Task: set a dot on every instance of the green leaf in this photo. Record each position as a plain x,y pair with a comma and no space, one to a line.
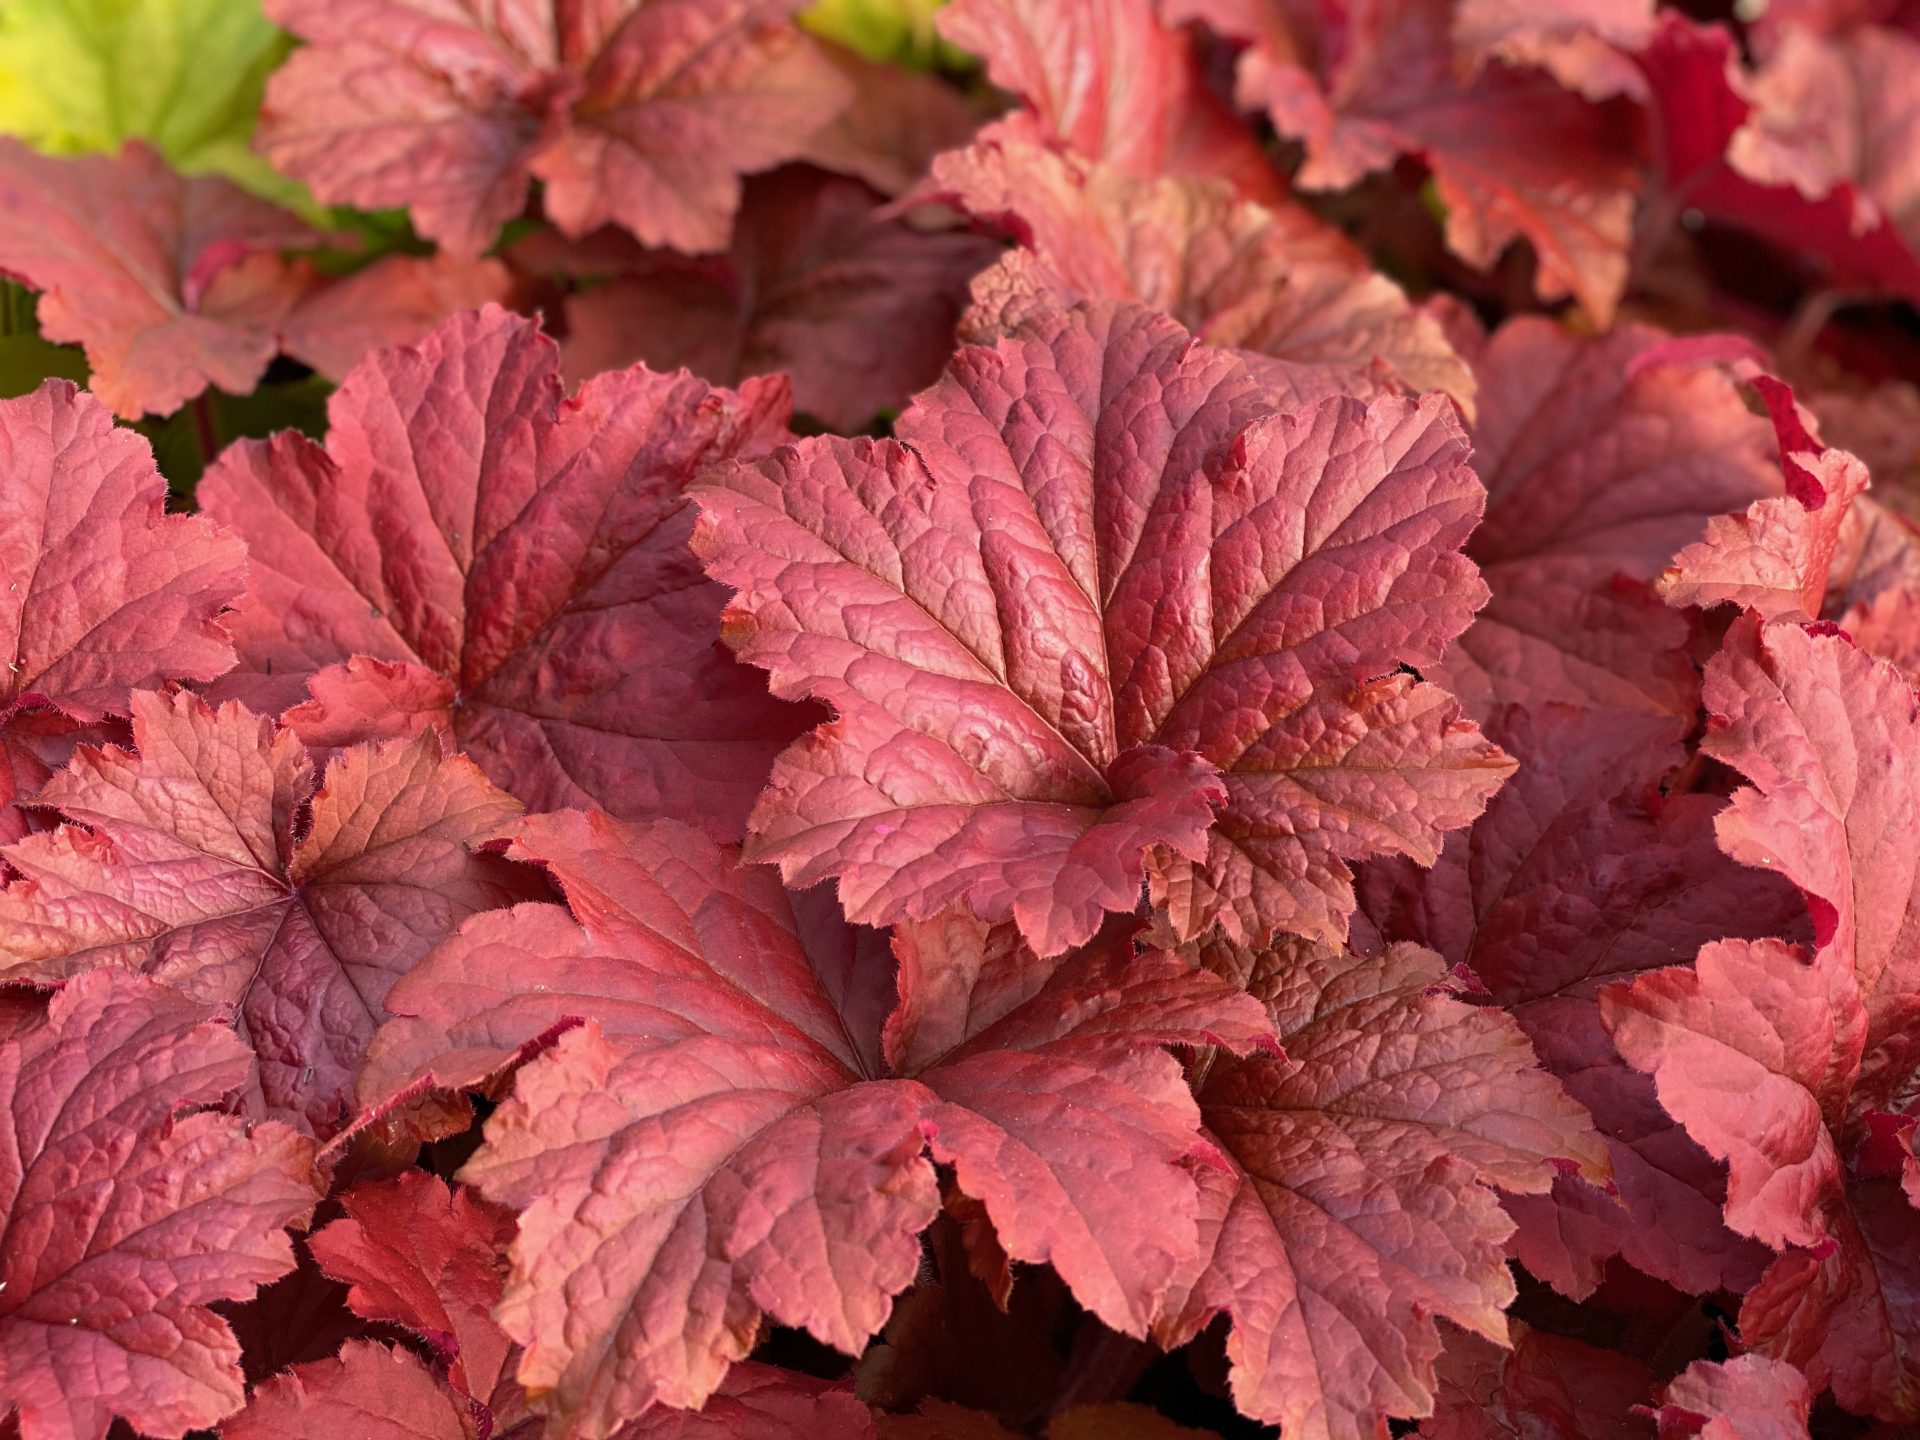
890,31
186,75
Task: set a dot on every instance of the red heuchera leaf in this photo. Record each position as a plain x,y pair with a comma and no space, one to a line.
428,1258
189,870
1820,1043
1513,154
129,1208
368,1391
1776,558
1596,469
1089,593
513,566
174,284
1275,282
857,310
1108,80
1850,1317
1545,1385
640,113
1359,1204
103,591
724,1138
1586,44
1581,873
1747,1398
1835,115
1692,73
759,1402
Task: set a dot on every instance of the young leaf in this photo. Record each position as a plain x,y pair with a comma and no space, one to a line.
643,114
723,1140
474,551
190,869
428,1258
103,592
1092,591
131,1205
1359,1204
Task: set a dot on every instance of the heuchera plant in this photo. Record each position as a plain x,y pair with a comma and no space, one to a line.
1071,719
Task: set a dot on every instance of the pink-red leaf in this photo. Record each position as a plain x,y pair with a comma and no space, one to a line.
640,113
722,1140
1747,1398
516,562
420,1255
1090,592
175,284
129,1207
367,1392
103,591
1273,281
190,869
1110,80
1359,1204
1513,154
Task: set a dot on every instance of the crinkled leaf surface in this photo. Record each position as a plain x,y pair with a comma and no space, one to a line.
185,865
129,1207
432,1259
1598,470
103,591
640,113
858,311
1273,281
187,75
512,566
723,1139
1582,873
1110,80
1513,154
174,284
1091,591
1358,1207
1815,1043
367,1391
1746,1398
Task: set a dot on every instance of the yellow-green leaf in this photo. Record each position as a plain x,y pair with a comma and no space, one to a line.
895,31
187,75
